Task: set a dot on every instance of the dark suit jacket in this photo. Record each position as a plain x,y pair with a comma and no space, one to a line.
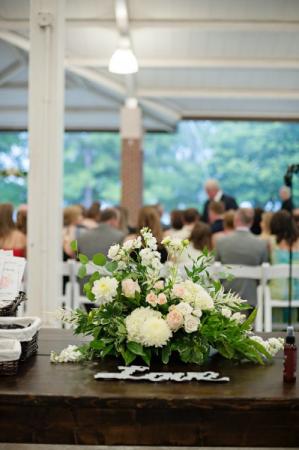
287,205
229,203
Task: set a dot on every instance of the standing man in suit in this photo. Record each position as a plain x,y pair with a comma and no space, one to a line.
215,193
243,248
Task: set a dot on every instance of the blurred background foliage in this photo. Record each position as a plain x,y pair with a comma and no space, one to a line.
248,158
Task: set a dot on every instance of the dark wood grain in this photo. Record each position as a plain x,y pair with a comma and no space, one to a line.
63,404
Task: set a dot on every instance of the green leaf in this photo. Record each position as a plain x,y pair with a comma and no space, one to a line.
246,325
147,356
135,348
82,271
74,246
127,356
83,258
111,266
99,259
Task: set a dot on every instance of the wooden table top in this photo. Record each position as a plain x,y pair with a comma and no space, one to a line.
255,392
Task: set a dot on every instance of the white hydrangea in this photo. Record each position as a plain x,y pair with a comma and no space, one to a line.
155,332
113,252
68,354
136,319
195,294
105,289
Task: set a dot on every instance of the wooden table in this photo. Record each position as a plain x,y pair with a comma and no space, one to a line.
63,404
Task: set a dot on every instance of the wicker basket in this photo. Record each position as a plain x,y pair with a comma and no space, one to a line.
12,307
10,351
23,329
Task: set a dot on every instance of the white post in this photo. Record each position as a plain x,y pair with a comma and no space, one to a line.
46,110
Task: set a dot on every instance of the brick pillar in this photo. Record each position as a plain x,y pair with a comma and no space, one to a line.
131,162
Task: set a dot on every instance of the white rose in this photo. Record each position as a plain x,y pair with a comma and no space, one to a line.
197,312
104,289
113,251
191,323
129,245
130,287
184,308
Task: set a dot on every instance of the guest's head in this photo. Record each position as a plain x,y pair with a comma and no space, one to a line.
244,217
212,187
215,211
190,216
111,217
201,236
149,217
94,211
72,215
6,219
266,222
284,193
256,224
21,222
228,220
283,227
176,219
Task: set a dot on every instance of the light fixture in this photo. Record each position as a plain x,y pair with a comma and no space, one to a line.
123,60
131,102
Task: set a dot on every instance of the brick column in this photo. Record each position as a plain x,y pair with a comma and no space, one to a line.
131,162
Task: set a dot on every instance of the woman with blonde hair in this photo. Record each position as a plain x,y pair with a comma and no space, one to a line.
72,217
148,217
10,237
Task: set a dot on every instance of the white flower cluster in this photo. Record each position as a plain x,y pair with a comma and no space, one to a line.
272,345
105,289
68,354
194,294
183,315
229,299
147,327
130,287
175,246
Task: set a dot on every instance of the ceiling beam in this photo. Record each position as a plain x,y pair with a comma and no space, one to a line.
286,94
107,85
200,24
200,63
10,71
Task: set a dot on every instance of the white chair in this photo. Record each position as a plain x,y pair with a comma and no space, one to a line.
249,272
278,272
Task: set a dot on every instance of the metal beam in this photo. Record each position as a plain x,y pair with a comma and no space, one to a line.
200,24
219,93
200,63
10,71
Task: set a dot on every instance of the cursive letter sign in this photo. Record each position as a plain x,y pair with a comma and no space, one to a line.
127,373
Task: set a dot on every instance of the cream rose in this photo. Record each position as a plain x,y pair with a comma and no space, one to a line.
175,319
130,287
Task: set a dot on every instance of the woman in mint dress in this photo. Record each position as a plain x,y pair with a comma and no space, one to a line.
285,230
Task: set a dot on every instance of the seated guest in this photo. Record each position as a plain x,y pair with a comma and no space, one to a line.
215,193
216,211
10,237
149,217
190,218
286,201
243,248
100,239
200,239
72,220
285,231
176,222
257,218
228,226
266,234
21,222
91,216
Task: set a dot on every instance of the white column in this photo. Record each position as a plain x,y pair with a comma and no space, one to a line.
46,110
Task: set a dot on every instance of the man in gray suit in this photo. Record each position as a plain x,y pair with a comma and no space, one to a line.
100,239
243,248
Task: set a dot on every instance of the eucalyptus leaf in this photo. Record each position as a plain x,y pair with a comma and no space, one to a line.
99,259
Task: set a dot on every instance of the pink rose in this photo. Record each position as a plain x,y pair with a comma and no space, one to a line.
130,287
178,290
175,319
162,299
159,285
151,298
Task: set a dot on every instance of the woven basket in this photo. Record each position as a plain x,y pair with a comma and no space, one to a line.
11,309
23,329
10,351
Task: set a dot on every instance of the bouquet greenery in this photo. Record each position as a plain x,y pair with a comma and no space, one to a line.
141,313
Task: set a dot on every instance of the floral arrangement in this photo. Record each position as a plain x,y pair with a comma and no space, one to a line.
141,313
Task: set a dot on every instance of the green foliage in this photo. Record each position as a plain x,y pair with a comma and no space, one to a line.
99,259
